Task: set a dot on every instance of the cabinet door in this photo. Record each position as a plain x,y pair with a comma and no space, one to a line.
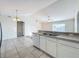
43,43
64,51
51,48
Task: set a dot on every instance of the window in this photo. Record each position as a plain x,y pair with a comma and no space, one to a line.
58,27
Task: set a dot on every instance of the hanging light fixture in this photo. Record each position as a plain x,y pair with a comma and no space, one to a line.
49,19
16,18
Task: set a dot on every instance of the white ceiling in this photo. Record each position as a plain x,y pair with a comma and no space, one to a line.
26,7
61,10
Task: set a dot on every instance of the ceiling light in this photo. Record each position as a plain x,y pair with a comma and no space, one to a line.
16,18
49,20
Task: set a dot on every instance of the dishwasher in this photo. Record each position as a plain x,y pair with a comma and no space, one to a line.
36,40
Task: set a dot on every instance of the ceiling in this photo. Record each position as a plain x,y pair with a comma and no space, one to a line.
24,7
61,10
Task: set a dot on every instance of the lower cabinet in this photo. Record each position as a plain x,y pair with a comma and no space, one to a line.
51,48
58,48
43,43
64,51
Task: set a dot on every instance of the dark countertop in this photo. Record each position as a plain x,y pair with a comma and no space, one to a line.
75,33
72,37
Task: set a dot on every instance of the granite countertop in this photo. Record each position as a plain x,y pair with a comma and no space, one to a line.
61,36
69,36
75,33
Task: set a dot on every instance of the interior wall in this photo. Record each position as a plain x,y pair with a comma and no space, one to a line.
9,26
46,26
61,10
69,24
31,25
9,29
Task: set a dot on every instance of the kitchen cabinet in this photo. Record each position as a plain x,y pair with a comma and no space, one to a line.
57,46
48,45
64,51
51,47
60,44
68,43
43,43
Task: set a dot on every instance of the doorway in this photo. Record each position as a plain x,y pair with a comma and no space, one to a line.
20,28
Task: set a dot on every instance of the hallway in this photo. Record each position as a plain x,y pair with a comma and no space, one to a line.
21,47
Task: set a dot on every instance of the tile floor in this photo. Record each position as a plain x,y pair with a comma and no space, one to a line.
21,47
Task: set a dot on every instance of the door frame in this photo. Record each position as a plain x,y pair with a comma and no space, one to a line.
23,27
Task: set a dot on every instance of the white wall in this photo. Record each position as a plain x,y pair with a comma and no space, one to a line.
8,27
31,25
69,24
46,26
60,10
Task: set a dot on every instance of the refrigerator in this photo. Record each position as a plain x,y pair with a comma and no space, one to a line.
0,35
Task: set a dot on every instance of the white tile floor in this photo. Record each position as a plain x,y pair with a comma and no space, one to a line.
21,47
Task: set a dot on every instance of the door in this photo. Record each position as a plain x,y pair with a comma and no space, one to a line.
20,28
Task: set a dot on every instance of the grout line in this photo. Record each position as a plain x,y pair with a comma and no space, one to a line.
16,50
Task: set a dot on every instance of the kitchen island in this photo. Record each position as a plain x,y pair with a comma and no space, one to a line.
58,44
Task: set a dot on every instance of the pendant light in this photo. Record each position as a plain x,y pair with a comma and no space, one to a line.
16,18
49,19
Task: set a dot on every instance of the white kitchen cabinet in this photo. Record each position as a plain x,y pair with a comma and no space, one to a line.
43,43
51,47
64,51
59,48
69,43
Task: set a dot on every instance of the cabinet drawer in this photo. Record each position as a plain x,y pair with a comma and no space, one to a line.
67,52
68,43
